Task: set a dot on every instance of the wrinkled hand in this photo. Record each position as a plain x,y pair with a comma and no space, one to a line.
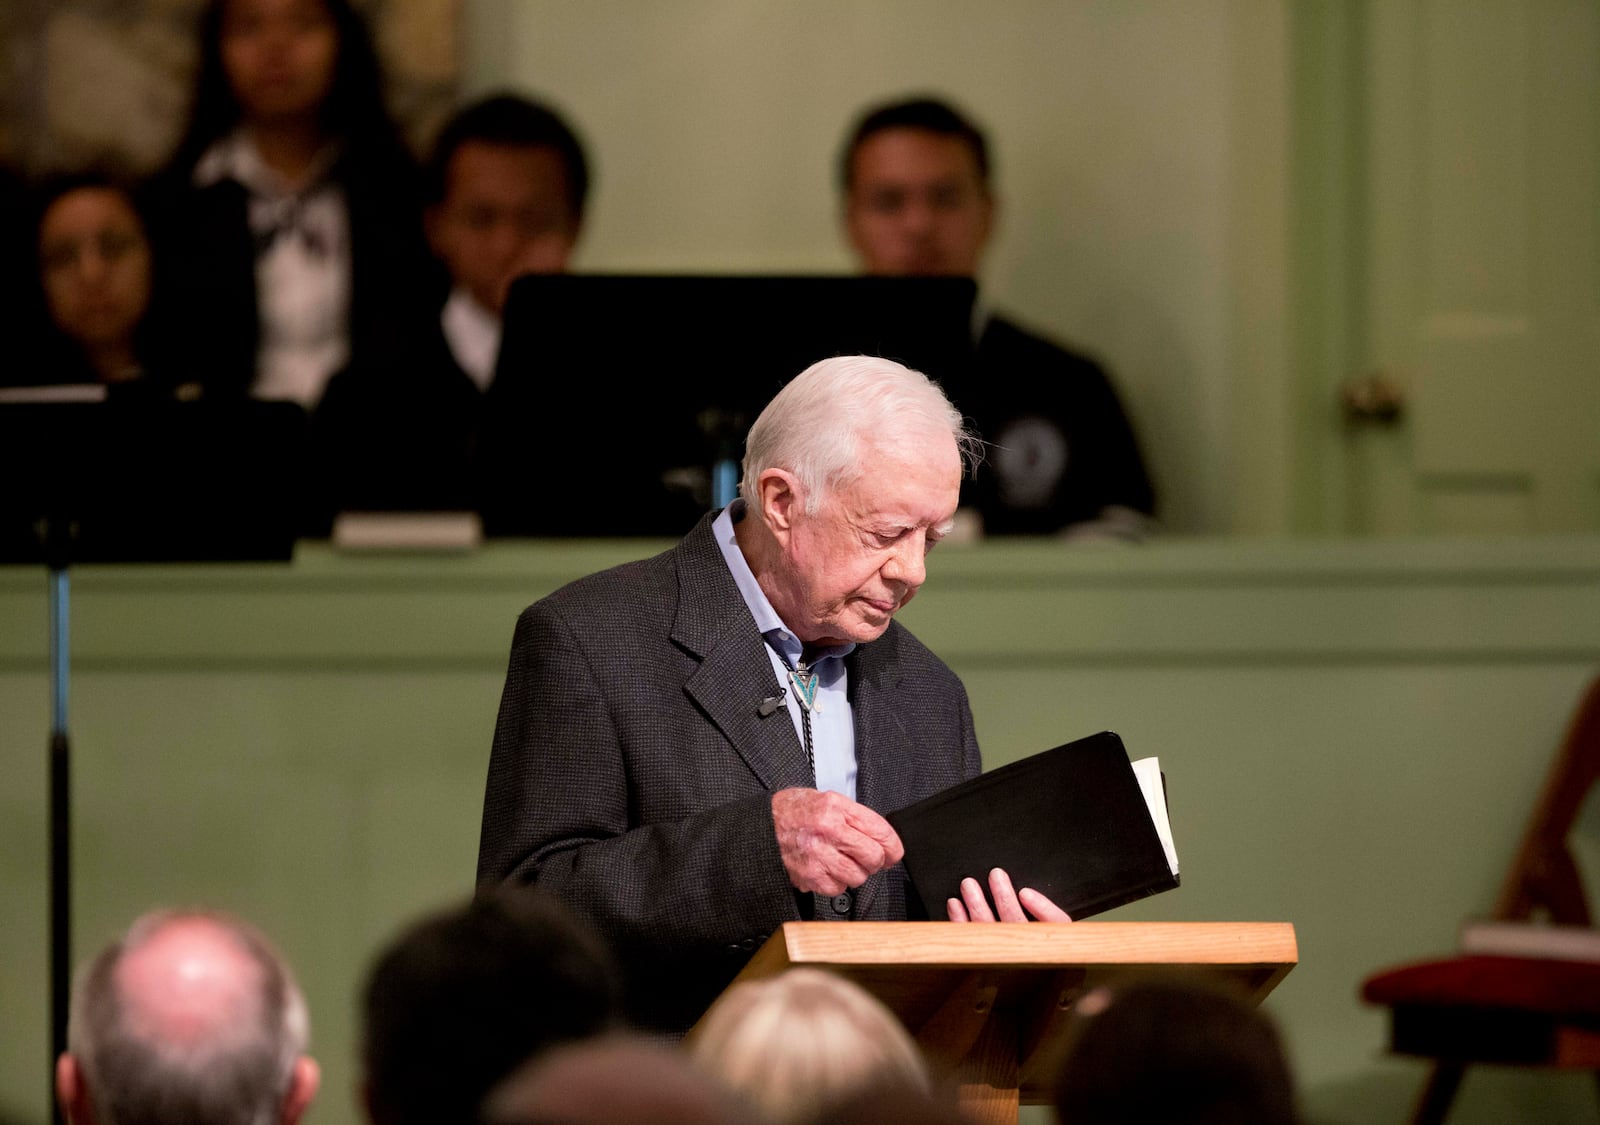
1013,906
829,843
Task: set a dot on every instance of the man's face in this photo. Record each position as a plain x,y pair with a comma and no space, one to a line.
917,206
504,214
845,571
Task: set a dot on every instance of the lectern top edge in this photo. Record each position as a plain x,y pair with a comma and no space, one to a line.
1037,944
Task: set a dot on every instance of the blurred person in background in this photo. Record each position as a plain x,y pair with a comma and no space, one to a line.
287,224
94,267
506,191
506,187
1060,454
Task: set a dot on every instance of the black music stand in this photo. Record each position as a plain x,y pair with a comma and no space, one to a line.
89,479
620,402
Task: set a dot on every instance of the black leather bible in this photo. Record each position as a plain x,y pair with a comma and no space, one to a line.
1072,823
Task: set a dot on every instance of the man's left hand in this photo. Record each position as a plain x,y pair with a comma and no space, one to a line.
1012,906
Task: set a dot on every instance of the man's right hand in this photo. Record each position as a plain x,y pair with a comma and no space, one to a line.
829,843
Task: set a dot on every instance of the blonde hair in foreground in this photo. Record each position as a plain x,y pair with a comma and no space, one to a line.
800,1042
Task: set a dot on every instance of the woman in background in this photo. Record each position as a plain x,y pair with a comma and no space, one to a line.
94,276
287,224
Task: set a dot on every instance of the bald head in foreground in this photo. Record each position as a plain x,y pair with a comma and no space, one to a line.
696,748
190,1016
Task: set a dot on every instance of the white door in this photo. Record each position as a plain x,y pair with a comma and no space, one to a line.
1470,269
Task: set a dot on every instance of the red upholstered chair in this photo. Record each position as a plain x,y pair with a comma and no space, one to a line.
1518,1010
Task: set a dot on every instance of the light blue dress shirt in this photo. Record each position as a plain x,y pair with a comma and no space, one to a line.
833,727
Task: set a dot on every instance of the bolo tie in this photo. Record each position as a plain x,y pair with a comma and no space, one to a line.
803,678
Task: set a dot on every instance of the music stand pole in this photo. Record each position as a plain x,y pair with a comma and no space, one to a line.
60,811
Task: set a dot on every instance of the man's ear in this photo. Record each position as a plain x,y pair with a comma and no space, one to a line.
304,1081
71,1092
778,499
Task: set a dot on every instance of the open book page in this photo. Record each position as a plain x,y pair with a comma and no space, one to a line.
1148,771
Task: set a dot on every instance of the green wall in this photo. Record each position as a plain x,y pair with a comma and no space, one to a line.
1352,735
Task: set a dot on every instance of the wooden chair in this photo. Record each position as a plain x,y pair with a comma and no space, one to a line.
1515,1010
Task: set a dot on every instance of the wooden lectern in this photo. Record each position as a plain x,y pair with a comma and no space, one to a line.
991,1002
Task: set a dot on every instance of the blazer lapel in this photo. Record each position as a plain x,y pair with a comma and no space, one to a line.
735,674
729,686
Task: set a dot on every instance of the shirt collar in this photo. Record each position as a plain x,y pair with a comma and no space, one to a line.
235,157
982,314
473,333
772,628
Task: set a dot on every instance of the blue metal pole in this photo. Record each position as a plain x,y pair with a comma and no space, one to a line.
724,483
60,829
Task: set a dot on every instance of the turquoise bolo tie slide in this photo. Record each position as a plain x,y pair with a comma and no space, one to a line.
805,687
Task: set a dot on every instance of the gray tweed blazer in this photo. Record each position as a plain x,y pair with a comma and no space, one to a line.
632,774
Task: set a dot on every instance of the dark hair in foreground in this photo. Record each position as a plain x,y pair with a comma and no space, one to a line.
929,114
1186,1050
354,111
517,122
464,996
614,1080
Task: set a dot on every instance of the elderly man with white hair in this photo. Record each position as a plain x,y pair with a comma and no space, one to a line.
695,748
190,1016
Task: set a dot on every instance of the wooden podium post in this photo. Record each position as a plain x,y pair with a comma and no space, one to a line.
991,1002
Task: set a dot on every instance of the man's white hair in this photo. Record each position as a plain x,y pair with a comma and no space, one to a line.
817,426
239,1075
